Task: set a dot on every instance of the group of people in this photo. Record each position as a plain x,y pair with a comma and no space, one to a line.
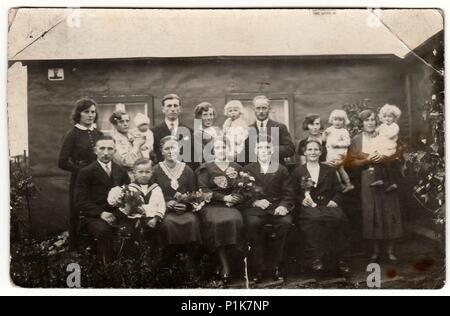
162,163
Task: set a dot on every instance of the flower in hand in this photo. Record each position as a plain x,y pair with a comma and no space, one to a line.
307,184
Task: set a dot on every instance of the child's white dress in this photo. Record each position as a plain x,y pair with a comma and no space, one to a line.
149,141
338,140
236,133
386,142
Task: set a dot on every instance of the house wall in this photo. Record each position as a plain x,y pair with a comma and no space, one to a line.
314,84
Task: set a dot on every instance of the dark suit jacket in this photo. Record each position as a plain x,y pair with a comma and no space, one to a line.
277,186
328,189
286,145
92,188
162,130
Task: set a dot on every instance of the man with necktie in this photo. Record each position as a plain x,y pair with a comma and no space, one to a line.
171,107
264,126
91,193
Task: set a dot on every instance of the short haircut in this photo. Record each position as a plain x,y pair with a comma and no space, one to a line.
261,97
116,117
364,115
166,139
82,105
310,119
234,104
171,96
105,137
142,161
203,107
339,114
390,109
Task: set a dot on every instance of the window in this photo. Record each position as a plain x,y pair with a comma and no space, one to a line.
132,105
282,107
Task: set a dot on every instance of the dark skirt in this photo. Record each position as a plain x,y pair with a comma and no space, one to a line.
325,230
382,218
222,226
176,230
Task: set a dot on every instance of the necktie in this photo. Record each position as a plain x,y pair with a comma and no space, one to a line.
172,129
262,128
108,170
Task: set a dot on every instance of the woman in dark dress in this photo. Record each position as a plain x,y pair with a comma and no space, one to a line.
313,125
180,227
222,222
77,152
382,218
320,216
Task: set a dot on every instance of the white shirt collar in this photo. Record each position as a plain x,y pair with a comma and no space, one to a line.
263,122
84,128
104,165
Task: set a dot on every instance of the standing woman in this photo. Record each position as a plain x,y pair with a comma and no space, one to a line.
222,222
382,220
180,226
77,152
313,125
207,132
127,152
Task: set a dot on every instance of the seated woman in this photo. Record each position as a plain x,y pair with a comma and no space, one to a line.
180,228
320,218
222,222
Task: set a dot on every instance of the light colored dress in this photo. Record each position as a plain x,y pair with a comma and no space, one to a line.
125,155
149,141
386,141
338,140
236,133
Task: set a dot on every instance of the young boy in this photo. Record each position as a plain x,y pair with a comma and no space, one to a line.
154,203
142,130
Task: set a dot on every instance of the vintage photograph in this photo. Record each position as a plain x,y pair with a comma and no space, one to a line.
227,148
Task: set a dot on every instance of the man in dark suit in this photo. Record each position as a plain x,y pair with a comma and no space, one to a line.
281,138
171,107
91,192
272,207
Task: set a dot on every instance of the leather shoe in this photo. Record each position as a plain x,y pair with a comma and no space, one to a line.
277,275
343,267
317,265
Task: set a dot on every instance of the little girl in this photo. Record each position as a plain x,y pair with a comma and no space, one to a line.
385,144
142,130
338,140
235,128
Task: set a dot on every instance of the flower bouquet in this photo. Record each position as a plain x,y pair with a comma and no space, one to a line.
128,200
244,187
198,200
307,184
